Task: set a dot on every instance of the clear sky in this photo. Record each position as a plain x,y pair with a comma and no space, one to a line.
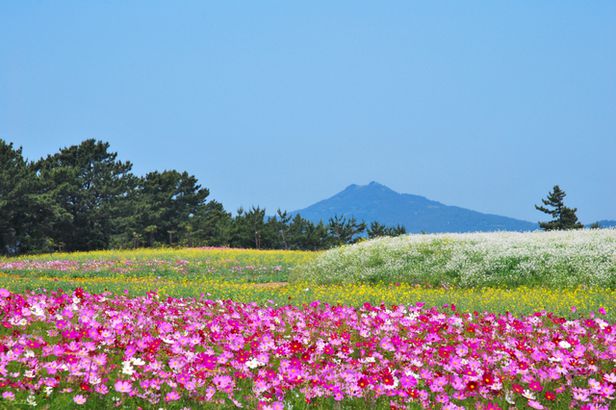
484,105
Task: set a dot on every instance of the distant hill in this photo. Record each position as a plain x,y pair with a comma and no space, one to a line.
606,224
376,202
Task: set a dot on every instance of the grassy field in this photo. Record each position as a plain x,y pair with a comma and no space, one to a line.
192,264
295,277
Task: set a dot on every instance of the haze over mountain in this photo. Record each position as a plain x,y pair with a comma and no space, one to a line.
376,202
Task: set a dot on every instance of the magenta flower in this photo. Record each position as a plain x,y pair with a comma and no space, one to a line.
535,386
172,396
408,382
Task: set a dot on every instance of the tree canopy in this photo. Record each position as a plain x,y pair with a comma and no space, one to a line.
84,198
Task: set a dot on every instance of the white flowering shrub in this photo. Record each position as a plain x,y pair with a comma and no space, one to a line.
502,259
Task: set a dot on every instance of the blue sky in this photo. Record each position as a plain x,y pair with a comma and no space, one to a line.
484,105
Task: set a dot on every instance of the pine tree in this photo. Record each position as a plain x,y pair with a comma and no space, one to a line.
165,204
91,188
345,231
563,218
26,213
377,229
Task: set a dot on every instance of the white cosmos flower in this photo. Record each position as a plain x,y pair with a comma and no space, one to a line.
31,400
509,398
127,368
254,363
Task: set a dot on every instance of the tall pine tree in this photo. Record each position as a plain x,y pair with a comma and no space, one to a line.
563,218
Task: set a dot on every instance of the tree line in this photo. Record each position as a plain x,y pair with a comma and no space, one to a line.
84,198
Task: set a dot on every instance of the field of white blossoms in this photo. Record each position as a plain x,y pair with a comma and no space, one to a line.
500,259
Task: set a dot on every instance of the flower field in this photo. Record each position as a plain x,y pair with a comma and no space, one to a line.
498,259
234,265
222,328
72,349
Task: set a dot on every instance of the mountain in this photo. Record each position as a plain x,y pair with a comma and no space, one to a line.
376,202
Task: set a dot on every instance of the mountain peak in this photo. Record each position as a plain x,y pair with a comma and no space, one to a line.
374,184
360,192
370,185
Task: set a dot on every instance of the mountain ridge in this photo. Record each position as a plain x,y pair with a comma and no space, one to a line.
377,202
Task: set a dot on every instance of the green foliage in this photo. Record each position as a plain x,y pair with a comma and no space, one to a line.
376,230
345,231
26,213
84,198
164,204
210,225
563,218
90,187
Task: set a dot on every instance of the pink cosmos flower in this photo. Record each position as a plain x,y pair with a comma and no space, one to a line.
581,394
8,395
79,399
223,383
408,382
122,386
610,377
172,396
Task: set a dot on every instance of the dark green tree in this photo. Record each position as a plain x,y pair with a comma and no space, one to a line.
317,237
91,187
251,230
377,229
563,218
396,230
345,230
209,226
26,214
282,221
164,204
297,232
